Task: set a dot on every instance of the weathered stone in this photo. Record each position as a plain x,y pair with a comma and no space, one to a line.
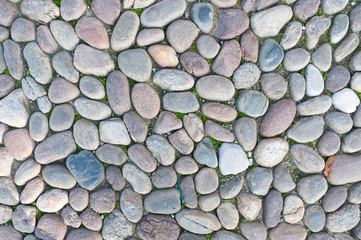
285,230
232,159
205,153
343,219
181,141
149,36
52,200
218,132
259,180
78,198
141,157
111,229
292,35
355,17
339,122
194,64
207,46
252,103
249,46
245,130
345,100
206,180
209,202
131,204
322,57
306,129
314,106
61,91
86,134
157,226
293,209
334,198
38,62
253,230
306,159
58,176
270,55
50,226
228,59
273,85
340,169
106,10
114,131
39,10
137,178
314,218
61,117
272,208
125,31
165,201
181,34
38,126
339,28
19,143
230,23
197,221
315,28
182,102
23,30
346,47
215,88
64,34
164,177
70,217
9,192
91,109
63,65
219,112
163,55
27,171
249,205
32,190
8,13
282,180
46,40
72,10
312,188
186,165
305,9
202,15
270,152
13,59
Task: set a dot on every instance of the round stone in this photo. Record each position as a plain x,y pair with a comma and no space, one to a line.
312,188
334,198
273,85
345,100
252,103
270,152
270,55
293,209
131,204
207,46
164,177
92,88
61,117
19,143
38,126
206,180
52,200
228,215
215,88
259,180
314,218
296,59
181,34
246,76
145,100
135,64
58,176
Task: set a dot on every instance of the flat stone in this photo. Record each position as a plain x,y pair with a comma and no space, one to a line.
160,14
92,88
249,205
3,129
282,180
57,175
268,23
4,33
24,218
106,10
157,226
8,13
314,218
356,82
340,169
165,201
182,102
188,191
293,209
194,64
111,229
103,200
115,178
356,117
270,55
252,103
314,106
145,100
72,10
99,35
87,170
52,200
253,230
305,9
161,149
186,165
346,47
14,109
228,215
64,34
334,198
228,58
141,156
61,117
118,91
232,159
219,112
181,34
355,18
215,88
322,57
86,134
218,132
197,221
125,31
249,46
93,61
206,180
135,64
205,153
114,131
7,84
246,76
306,159
50,226
209,202
316,27
292,35
149,36
32,190
137,127
61,91
333,6
350,142
272,208
312,188
354,194
9,192
70,217
19,143
138,179
43,13
339,122
194,126
343,219
163,55
31,88
270,152
164,177
78,198
181,141
202,15
345,100
23,30
355,62
245,130
6,161
285,230
259,180
63,65
230,23
91,109
339,28
329,143
273,85
131,204
27,171
83,233
46,40
207,46
13,59
296,59
306,129
6,213
173,80
337,78
167,122
91,220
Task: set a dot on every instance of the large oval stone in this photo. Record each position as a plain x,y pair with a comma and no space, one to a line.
270,55
173,80
91,109
342,169
306,129
215,88
135,64
197,221
165,201
118,91
270,152
306,159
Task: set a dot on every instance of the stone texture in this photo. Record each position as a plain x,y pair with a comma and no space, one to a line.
343,219
312,188
245,130
228,58
72,10
125,31
163,55
197,221
232,159
270,152
165,201
61,91
249,205
9,192
116,226
202,15
346,47
52,200
114,131
63,65
44,12
142,157
13,58
306,159
273,85
173,80
181,34
23,30
158,227
341,169
306,129
50,226
230,23
58,176
108,11
137,178
270,55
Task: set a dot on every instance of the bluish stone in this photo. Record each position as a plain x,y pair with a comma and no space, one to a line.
87,170
270,56
202,15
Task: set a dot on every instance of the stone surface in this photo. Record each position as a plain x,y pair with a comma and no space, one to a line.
202,15
232,159
249,205
314,218
246,76
340,169
339,28
270,55
58,176
194,64
197,221
228,215
44,12
61,91
114,131
306,129
230,23
337,78
228,59
108,11
116,226
181,34
292,35
283,230
63,65
273,85
346,47
72,10
23,30
312,188
125,31
205,153
245,130
131,204
52,200
272,208
259,180
165,201
13,58
147,37
270,152
306,159
142,157
343,219
345,100
207,46
9,192
163,55
137,178
19,143
182,102
64,34
50,226
282,179
252,103
156,226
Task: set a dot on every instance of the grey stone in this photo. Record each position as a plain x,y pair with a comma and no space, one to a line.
246,76
202,15
165,201
343,219
346,47
206,180
32,190
64,34
6,213
293,209
4,33
61,117
158,226
292,35
273,85
181,141
230,23
83,233
131,204
253,230
191,236
111,229
19,143
270,152
282,180
61,91
78,198
205,153
27,171
228,216
38,62
92,88
188,191
52,200
314,81
341,169
245,130
58,176
118,91
312,188
215,88
297,86
355,62
322,57
63,65
306,129
86,134
162,13
9,192
145,100
268,23
91,219
86,169
23,30
8,13
356,117
259,180
186,165
306,159
317,26
125,31
228,59
314,218
252,103
218,132
339,28
329,143
345,100
162,150
7,84
50,226
224,3
106,10
115,178
137,178
232,159
356,82
13,58
150,36
351,142
209,202
164,177
314,106
207,46
173,80
334,198
337,78
219,112
114,131
103,200
91,109
305,9
249,205
181,34
339,122
354,194
40,11
355,18
182,102
194,126
72,10
272,208
142,157
167,122
197,221
333,6
70,217
93,61
296,59
135,64
55,147
31,88
6,161
270,55
286,230
136,126
46,40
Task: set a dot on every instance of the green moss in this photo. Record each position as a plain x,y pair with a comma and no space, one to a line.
73,23
81,74
6,71
216,144
77,117
179,115
131,83
241,114
358,94
290,141
57,2
79,148
38,214
138,11
208,236
2,43
88,2
319,12
210,60
193,47
123,147
103,80
106,165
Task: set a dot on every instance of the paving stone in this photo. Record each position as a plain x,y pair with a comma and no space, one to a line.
181,141
282,180
92,88
63,65
141,156
296,59
145,100
62,117
6,161
14,109
329,143
181,34
164,177
91,109
219,112
206,180
228,59
64,34
23,30
259,180
345,100
27,171
194,126
273,85
70,217
4,33
292,35
50,226
270,152
32,190
253,230
86,134
165,201
6,213
285,230
163,55
91,219
246,76
150,36
90,176
228,216
335,169
103,200
19,143
293,209
314,218
83,234
249,205
337,78
10,194
270,55
339,28
315,28
115,178
230,23
272,208
98,37
322,57
52,200
249,46
135,64
306,159
7,84
356,82
245,130
252,103
31,88
205,153
131,204
354,193
305,9
209,202
215,88
338,121
186,165
331,6
182,102
355,19
269,22
46,40
61,91
232,159
13,58
194,64
346,47
343,219
125,31
108,11
202,15
188,191
218,132
197,221
173,80
114,131
43,13
312,188
78,198
137,178
350,142
334,198
157,226
8,13
58,176
207,46
111,229
356,117
314,106
72,10
355,62
306,129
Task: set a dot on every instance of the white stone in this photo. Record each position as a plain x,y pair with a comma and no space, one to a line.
114,131
345,100
314,81
232,159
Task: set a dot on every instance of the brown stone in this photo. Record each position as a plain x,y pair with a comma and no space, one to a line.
19,143
163,55
118,91
194,64
50,226
106,10
219,112
167,122
157,227
145,100
92,31
228,59
230,23
249,46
